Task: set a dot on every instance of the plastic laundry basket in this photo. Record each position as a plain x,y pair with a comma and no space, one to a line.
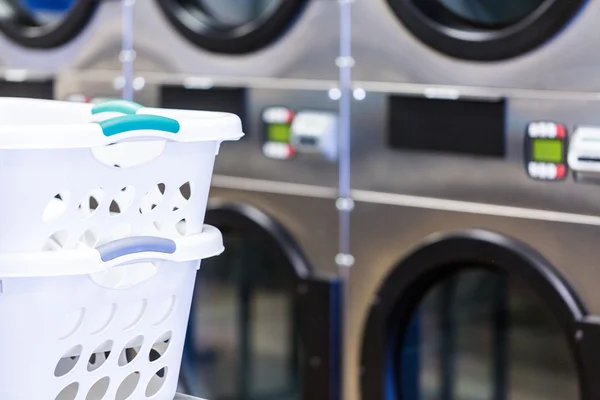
101,238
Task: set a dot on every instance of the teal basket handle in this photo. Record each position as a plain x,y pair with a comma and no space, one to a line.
120,106
129,123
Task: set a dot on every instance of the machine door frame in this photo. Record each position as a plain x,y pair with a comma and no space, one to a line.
442,255
18,25
440,29
247,38
316,299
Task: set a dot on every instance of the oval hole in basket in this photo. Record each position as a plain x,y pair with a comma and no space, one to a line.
89,238
131,351
56,207
90,203
185,191
153,198
99,356
57,241
68,361
134,313
72,322
164,311
182,227
98,389
122,201
160,347
68,393
103,316
128,386
157,382
129,154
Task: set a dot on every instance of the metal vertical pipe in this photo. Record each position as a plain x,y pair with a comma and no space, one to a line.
127,55
344,203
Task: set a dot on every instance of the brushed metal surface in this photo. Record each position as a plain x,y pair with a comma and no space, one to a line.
501,181
385,51
382,235
307,50
312,222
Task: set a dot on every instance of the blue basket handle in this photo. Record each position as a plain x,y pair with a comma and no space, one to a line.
135,245
119,106
129,123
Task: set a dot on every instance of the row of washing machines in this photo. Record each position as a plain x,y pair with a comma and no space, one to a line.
474,177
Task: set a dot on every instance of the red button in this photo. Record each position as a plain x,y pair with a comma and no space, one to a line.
560,131
291,151
560,171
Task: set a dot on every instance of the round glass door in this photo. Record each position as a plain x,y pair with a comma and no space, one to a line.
485,30
232,26
482,335
242,339
476,315
45,23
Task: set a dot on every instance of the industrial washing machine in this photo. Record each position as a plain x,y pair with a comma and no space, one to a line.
39,38
517,44
242,39
474,234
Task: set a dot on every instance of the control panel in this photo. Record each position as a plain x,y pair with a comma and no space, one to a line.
584,153
546,151
288,133
316,132
277,125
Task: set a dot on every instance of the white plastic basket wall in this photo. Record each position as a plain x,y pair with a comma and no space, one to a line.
97,261
69,183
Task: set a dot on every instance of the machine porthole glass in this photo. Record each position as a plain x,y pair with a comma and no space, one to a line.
232,26
485,30
242,341
45,24
490,14
482,334
231,14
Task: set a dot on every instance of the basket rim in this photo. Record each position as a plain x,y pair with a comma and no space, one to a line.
145,123
85,261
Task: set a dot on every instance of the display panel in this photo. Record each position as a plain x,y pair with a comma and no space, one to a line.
547,150
279,133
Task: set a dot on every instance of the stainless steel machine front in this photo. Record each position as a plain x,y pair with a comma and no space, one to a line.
523,44
232,38
474,237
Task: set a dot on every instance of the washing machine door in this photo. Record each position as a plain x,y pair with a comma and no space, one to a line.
232,26
45,24
476,315
261,327
485,30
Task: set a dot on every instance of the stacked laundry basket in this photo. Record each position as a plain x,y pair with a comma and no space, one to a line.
102,233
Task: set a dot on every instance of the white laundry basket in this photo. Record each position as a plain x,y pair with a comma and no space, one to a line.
102,235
